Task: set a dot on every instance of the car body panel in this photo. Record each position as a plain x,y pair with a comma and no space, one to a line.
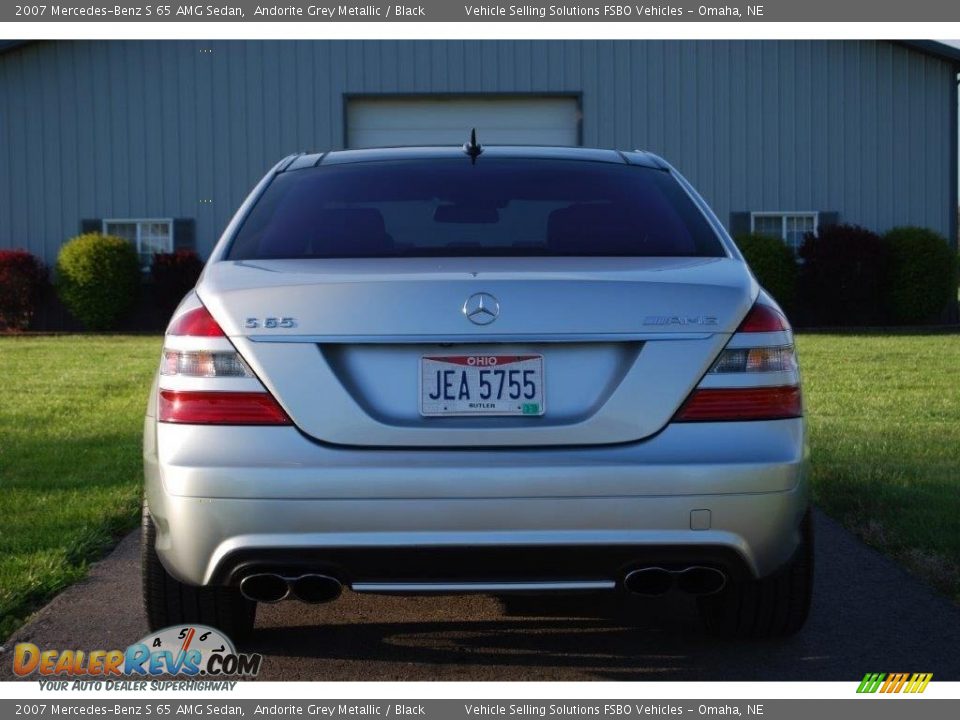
543,296
276,489
280,462
441,152
344,371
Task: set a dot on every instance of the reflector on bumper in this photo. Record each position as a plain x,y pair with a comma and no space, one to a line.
756,403
220,408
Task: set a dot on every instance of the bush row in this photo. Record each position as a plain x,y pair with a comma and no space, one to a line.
23,279
97,277
848,275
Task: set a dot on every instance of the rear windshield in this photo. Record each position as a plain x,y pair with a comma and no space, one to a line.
495,207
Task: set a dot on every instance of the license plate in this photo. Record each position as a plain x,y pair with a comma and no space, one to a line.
481,385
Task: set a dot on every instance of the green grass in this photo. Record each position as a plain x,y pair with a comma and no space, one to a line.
70,468
885,441
885,444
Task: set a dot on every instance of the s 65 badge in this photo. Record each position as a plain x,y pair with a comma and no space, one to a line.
270,323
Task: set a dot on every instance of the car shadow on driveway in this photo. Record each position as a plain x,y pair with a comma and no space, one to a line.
868,615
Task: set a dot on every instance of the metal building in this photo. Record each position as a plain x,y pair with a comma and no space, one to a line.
160,141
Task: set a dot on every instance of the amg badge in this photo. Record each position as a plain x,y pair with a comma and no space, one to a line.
679,320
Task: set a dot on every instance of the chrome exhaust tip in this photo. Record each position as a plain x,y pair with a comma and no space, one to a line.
264,587
693,580
316,588
699,580
649,581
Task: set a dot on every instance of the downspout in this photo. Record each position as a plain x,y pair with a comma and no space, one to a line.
954,162
954,311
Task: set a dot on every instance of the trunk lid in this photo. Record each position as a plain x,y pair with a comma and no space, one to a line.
623,340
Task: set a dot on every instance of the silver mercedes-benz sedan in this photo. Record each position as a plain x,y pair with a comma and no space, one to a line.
495,370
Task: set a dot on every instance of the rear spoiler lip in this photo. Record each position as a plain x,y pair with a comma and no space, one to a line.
470,338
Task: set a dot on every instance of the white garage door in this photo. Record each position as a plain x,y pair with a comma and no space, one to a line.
389,122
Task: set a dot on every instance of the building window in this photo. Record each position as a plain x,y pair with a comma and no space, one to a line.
148,236
788,226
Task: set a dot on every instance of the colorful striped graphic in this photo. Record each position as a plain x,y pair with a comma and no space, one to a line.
894,682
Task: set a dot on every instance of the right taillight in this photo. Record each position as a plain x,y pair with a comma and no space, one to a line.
756,360
205,381
763,318
756,377
763,403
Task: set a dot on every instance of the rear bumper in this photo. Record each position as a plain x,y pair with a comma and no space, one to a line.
229,500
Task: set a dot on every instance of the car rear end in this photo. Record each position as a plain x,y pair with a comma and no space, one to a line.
529,371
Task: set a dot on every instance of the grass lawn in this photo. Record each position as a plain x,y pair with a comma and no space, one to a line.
70,469
884,416
885,439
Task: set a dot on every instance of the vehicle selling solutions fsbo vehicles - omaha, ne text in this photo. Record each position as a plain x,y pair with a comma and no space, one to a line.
495,370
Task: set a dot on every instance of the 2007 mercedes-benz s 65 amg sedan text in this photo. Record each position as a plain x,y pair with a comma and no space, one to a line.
496,370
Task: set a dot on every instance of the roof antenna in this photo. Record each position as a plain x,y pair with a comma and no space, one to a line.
473,148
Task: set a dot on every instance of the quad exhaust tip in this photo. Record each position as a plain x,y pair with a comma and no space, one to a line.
649,581
272,588
699,580
693,580
316,588
264,587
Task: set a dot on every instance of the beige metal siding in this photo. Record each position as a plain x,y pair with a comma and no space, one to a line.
447,120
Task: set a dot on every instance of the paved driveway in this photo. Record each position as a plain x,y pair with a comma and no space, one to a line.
868,615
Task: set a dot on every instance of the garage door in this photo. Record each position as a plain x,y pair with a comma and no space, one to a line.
388,122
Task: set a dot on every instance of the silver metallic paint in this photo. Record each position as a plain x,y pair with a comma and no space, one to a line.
608,468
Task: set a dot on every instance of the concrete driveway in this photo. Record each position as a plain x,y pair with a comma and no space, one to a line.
868,615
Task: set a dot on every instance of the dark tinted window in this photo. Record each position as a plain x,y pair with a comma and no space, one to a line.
451,207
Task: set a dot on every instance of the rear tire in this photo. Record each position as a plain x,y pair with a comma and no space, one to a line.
774,606
168,601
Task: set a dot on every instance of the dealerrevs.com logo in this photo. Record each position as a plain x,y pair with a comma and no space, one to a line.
185,650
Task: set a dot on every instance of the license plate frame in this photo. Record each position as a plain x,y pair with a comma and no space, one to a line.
504,373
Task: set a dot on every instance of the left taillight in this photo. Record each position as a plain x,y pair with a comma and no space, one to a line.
205,381
194,407
756,377
197,322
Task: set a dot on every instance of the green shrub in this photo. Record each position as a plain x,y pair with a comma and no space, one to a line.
774,265
922,277
98,279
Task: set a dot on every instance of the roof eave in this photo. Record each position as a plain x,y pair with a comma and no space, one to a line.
7,45
935,48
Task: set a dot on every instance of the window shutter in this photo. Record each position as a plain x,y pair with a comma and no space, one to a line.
184,234
739,223
828,217
91,225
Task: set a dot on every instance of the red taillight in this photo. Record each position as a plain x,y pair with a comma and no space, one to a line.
220,408
753,403
763,318
197,323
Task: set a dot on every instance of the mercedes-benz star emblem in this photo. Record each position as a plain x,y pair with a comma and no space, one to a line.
481,308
